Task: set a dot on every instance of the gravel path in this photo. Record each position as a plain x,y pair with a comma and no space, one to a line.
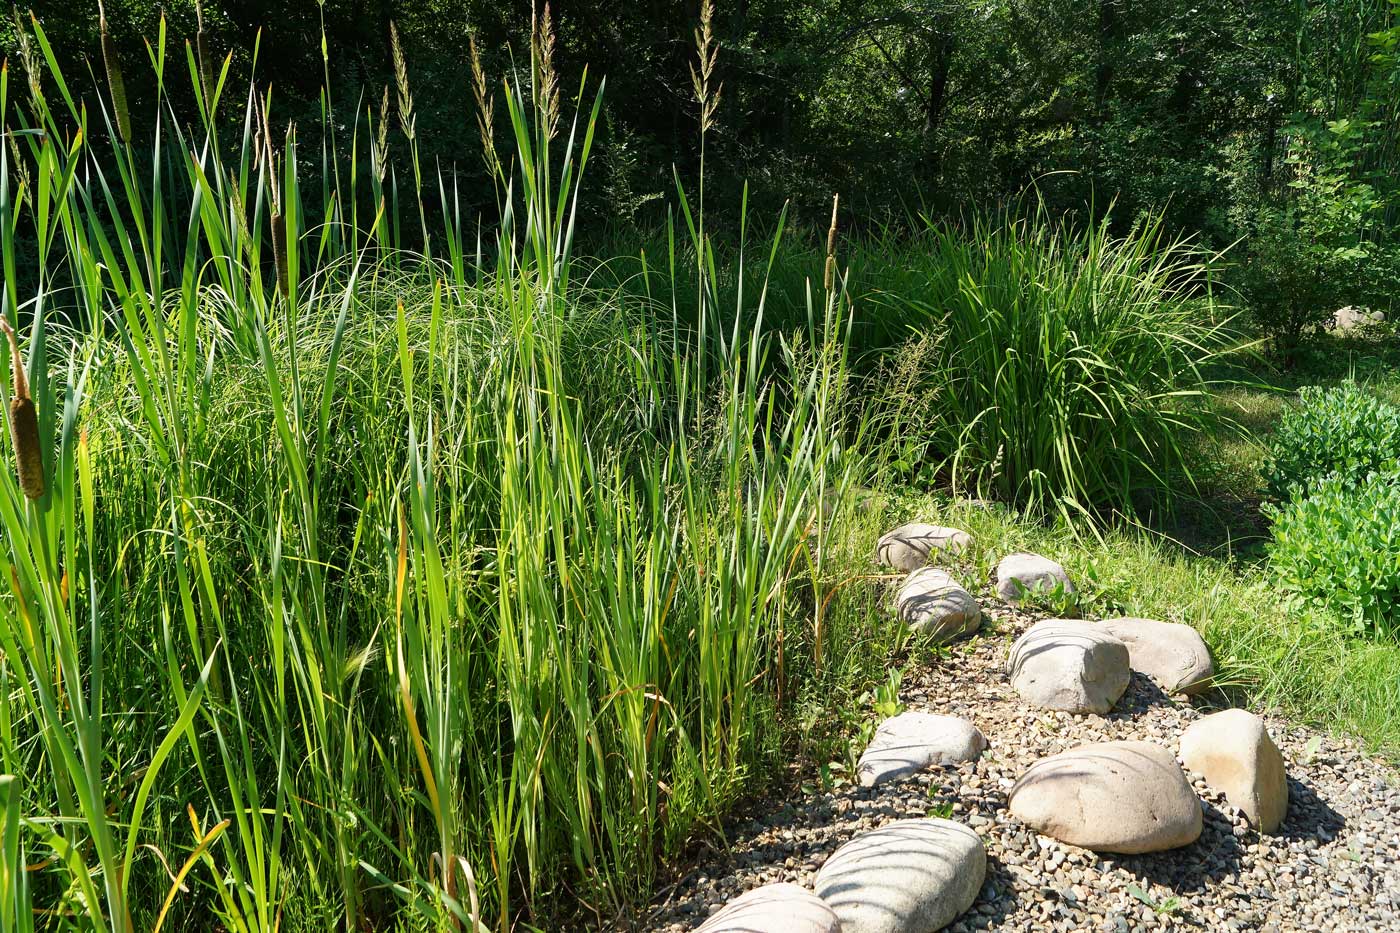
1335,864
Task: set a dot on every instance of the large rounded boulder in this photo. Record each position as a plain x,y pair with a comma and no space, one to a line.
1233,751
1025,576
913,741
774,908
1173,655
909,876
1122,797
911,546
931,601
1075,667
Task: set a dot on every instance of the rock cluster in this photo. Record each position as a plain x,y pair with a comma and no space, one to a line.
1118,793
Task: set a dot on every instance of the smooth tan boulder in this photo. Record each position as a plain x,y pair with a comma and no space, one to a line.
1024,575
910,742
930,600
1232,750
774,908
1173,655
1075,667
909,876
1121,797
911,546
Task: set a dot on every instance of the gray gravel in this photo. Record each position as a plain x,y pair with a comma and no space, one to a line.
1335,864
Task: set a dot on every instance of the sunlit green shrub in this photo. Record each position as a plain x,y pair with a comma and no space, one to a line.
1339,546
1342,431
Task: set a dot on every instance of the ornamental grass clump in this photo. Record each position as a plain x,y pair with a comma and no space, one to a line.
1072,366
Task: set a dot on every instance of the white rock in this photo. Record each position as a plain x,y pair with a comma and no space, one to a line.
930,600
910,546
1352,318
1124,797
1022,575
909,876
912,741
1066,665
1173,655
774,908
1232,750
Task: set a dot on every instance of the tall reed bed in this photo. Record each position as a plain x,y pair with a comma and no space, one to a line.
368,589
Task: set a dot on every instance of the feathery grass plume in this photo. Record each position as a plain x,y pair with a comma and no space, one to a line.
30,60
546,78
115,85
406,118
206,72
485,109
379,148
707,51
24,425
830,276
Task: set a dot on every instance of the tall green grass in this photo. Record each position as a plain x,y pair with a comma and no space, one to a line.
1072,363
374,588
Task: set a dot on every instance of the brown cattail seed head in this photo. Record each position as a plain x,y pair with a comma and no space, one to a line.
24,426
279,251
206,64
115,85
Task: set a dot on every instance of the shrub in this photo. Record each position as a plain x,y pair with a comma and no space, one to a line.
1342,431
1340,547
1070,368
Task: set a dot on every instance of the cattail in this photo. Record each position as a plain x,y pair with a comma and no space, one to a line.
485,109
279,250
279,220
206,71
831,245
115,85
24,425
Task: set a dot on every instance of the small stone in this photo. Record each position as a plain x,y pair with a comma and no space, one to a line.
907,876
1173,655
931,601
912,741
1072,666
1023,574
910,546
1232,750
774,908
1121,797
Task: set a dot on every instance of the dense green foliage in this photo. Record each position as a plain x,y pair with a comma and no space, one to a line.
1342,431
1340,546
1070,366
1270,127
395,569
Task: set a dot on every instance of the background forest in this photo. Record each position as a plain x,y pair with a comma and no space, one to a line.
1269,127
